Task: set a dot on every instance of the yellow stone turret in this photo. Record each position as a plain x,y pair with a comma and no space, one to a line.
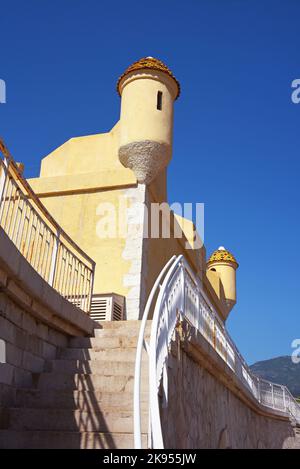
148,90
224,264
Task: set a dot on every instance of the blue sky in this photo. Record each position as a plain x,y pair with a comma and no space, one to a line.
236,141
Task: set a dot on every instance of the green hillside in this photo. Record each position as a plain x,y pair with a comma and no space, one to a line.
280,370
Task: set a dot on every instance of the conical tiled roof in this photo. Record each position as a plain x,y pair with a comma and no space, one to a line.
222,255
152,64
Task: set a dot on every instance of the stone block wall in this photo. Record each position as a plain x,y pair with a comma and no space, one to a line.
205,409
27,343
34,322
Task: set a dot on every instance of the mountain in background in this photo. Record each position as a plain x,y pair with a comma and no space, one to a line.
280,370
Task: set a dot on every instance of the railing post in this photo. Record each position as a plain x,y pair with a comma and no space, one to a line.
284,401
272,393
91,290
3,176
54,259
214,331
183,288
258,390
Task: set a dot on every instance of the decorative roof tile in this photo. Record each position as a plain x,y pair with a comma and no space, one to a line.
222,255
152,64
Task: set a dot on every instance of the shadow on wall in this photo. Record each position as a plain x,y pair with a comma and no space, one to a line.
48,402
78,395
95,382
53,396
91,418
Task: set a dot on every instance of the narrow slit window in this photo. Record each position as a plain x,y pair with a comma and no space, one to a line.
159,100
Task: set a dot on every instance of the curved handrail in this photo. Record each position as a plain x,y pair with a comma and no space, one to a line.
153,391
182,293
138,359
40,239
11,162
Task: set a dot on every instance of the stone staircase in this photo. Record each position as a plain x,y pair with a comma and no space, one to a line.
84,398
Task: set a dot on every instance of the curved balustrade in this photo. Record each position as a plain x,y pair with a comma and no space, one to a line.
40,239
180,293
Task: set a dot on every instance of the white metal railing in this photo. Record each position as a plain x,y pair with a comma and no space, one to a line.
181,295
138,361
40,239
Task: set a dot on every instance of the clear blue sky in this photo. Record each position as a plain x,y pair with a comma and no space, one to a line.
237,137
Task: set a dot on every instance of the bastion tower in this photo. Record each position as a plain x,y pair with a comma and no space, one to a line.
124,169
148,90
224,264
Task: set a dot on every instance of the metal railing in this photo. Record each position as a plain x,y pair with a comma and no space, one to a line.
40,239
181,295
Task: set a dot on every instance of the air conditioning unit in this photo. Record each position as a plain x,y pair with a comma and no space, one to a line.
107,307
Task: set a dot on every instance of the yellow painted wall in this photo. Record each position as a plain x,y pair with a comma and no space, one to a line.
227,274
140,119
85,172
81,155
77,177
77,214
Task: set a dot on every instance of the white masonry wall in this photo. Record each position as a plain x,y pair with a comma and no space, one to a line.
135,251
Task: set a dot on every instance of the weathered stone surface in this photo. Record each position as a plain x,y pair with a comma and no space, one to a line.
66,440
118,354
65,381
33,363
7,395
7,330
49,351
6,373
14,355
78,399
78,393
27,343
92,366
203,413
146,158
81,400
114,421
22,378
105,343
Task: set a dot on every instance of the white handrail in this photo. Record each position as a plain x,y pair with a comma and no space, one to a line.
156,436
138,359
182,293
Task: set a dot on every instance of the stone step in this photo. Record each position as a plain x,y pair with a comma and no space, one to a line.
85,354
135,324
124,331
106,342
88,382
66,440
82,400
86,367
117,421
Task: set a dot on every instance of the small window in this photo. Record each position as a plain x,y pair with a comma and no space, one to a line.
159,100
